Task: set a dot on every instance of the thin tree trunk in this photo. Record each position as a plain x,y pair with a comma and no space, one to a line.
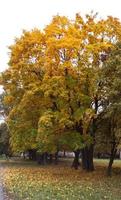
45,158
50,158
76,163
64,153
112,156
32,154
56,158
39,158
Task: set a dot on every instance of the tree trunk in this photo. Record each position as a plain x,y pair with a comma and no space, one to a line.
42,158
45,158
87,158
91,164
88,151
32,154
39,158
64,153
76,163
112,156
56,158
50,158
84,160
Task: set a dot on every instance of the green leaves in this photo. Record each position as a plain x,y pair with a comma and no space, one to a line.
71,140
71,82
78,114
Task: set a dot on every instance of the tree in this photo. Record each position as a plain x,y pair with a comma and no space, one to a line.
57,70
110,89
21,84
98,41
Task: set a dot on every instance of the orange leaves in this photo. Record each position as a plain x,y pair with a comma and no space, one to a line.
56,70
30,182
57,27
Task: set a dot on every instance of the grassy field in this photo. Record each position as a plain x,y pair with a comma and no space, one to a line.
28,181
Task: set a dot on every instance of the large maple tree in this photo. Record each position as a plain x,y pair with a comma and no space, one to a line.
51,84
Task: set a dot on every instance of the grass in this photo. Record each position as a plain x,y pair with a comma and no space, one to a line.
28,181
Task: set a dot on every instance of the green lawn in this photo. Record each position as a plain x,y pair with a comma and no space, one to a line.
28,181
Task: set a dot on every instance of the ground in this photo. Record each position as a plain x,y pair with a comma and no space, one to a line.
28,181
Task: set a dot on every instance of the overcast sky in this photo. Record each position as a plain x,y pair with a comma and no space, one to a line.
16,15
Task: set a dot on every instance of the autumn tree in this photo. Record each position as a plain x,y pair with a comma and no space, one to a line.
21,83
111,111
76,51
98,40
52,85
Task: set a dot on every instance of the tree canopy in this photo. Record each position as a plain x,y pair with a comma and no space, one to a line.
52,83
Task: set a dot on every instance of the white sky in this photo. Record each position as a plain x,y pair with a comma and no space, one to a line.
16,15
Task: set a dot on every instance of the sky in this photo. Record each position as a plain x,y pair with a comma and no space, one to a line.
16,15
